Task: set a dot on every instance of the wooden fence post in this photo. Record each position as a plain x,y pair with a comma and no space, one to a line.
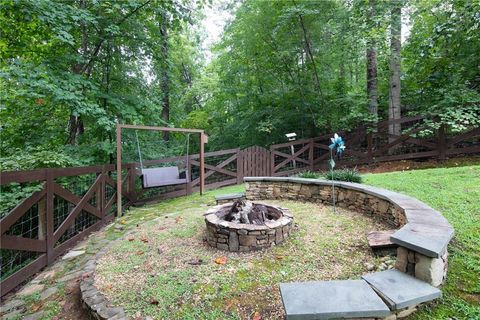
50,216
310,154
103,186
131,182
239,166
272,162
442,143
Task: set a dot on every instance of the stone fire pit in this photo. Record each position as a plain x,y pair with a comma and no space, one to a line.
244,226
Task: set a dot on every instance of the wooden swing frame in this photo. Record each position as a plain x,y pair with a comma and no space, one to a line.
203,140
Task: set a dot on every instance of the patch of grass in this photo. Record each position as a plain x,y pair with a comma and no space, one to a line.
31,298
154,276
51,308
455,192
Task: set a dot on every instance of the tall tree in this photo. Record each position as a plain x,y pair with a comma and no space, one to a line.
372,83
164,72
394,108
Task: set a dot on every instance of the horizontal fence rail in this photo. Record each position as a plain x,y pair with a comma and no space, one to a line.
47,211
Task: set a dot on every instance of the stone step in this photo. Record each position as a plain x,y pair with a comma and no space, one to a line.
331,300
429,240
380,239
399,290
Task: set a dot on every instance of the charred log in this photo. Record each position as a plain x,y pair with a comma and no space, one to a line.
251,213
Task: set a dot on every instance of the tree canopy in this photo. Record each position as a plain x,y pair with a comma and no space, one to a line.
71,69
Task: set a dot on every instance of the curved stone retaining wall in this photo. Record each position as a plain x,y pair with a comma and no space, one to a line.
92,299
423,234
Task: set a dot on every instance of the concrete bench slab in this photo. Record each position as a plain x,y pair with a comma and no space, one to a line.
400,290
331,299
430,241
230,196
428,217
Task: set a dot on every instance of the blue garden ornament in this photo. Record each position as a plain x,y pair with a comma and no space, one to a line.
337,143
339,146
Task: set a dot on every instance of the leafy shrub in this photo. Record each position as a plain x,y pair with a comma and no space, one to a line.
309,175
349,175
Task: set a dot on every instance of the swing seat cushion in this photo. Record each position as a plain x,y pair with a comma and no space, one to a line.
158,177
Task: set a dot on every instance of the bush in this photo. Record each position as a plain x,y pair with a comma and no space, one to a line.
349,175
309,175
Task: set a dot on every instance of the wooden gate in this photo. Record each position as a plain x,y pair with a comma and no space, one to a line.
255,162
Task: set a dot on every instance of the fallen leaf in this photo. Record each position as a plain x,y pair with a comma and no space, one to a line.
36,306
229,305
221,260
257,316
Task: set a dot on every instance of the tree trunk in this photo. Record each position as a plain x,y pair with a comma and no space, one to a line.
372,84
394,112
165,80
372,87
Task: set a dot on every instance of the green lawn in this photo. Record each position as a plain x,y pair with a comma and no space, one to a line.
456,193
166,285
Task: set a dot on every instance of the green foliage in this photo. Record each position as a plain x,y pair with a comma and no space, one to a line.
64,61
309,175
38,157
76,68
439,57
349,175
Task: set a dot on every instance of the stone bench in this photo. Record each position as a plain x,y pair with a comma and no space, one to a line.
224,198
423,233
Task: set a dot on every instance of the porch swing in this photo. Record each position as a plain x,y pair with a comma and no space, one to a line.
163,176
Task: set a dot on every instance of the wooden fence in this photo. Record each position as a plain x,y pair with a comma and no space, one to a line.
69,203
369,145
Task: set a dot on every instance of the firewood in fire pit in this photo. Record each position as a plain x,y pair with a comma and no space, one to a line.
258,214
252,213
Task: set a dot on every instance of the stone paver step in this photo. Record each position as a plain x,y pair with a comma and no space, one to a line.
399,290
331,300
